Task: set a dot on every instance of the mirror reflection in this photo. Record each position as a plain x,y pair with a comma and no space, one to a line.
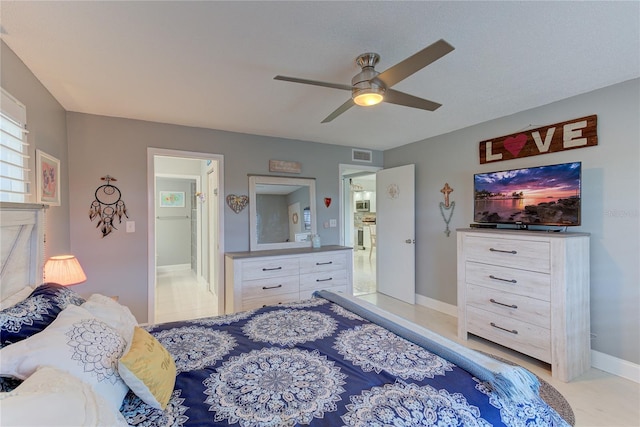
282,214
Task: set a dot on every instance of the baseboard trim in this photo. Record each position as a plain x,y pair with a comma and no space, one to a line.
599,360
615,366
442,307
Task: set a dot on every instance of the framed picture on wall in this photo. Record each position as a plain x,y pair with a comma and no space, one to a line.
172,199
47,179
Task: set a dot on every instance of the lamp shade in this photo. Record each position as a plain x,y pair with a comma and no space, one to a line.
64,269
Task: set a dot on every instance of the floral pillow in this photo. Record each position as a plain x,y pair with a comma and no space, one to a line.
36,312
77,343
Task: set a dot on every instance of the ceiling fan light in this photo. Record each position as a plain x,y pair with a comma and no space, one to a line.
368,99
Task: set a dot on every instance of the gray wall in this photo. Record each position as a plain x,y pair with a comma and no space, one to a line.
46,120
173,224
98,145
610,204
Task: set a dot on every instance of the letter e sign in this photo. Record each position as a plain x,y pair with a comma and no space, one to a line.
567,135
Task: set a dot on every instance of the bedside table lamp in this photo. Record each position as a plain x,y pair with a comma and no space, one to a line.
64,269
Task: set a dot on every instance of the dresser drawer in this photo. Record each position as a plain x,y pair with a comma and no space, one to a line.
323,262
253,303
262,288
519,307
533,284
269,267
525,254
323,279
520,336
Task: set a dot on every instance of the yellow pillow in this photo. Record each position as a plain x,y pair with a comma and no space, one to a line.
148,369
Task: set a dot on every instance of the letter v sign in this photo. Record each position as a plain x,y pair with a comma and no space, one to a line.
543,147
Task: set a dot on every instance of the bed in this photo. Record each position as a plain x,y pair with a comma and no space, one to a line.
332,360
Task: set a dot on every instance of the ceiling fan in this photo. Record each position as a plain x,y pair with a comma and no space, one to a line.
370,87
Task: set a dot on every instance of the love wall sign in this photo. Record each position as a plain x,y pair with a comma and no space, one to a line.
563,136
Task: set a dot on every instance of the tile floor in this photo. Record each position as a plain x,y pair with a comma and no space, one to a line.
180,296
364,272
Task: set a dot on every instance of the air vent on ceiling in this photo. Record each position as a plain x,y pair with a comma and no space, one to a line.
361,155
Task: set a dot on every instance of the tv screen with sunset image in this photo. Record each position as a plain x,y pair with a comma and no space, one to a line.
543,195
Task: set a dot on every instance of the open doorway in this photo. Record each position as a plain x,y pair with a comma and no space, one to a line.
185,240
358,218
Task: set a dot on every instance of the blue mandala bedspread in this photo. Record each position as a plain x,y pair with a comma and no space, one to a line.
316,363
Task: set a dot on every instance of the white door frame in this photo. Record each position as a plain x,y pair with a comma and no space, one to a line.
214,208
151,232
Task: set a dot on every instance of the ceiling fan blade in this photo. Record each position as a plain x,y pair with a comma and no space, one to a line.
313,82
400,98
341,109
404,69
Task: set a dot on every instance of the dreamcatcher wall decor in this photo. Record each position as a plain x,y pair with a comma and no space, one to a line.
447,207
107,205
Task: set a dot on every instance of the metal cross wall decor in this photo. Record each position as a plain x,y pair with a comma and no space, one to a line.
447,207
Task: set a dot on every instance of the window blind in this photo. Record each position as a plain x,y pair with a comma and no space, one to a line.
14,157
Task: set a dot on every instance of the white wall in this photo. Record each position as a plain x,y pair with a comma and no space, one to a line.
610,204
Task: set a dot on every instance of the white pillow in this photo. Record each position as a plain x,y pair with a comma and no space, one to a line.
12,300
78,343
114,314
55,398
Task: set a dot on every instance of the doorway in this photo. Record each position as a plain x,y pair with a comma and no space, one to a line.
185,239
358,219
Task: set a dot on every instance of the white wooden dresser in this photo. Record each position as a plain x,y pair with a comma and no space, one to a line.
257,278
529,291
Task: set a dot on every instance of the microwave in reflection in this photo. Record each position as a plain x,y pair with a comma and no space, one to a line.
362,205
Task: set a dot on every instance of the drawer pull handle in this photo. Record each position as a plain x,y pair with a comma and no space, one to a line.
504,280
272,269
267,305
324,263
324,280
501,303
513,331
272,287
504,252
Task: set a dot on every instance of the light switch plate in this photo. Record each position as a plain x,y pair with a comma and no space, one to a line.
131,226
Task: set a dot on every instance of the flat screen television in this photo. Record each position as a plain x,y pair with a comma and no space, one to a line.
542,195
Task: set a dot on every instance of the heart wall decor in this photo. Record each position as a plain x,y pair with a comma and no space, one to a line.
514,144
237,203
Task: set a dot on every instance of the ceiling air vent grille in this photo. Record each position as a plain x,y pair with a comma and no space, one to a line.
361,155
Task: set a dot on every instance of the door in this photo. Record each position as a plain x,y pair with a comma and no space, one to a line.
395,245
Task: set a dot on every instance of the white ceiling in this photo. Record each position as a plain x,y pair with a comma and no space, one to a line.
211,64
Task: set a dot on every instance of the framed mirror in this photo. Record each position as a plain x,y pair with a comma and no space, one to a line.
282,212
